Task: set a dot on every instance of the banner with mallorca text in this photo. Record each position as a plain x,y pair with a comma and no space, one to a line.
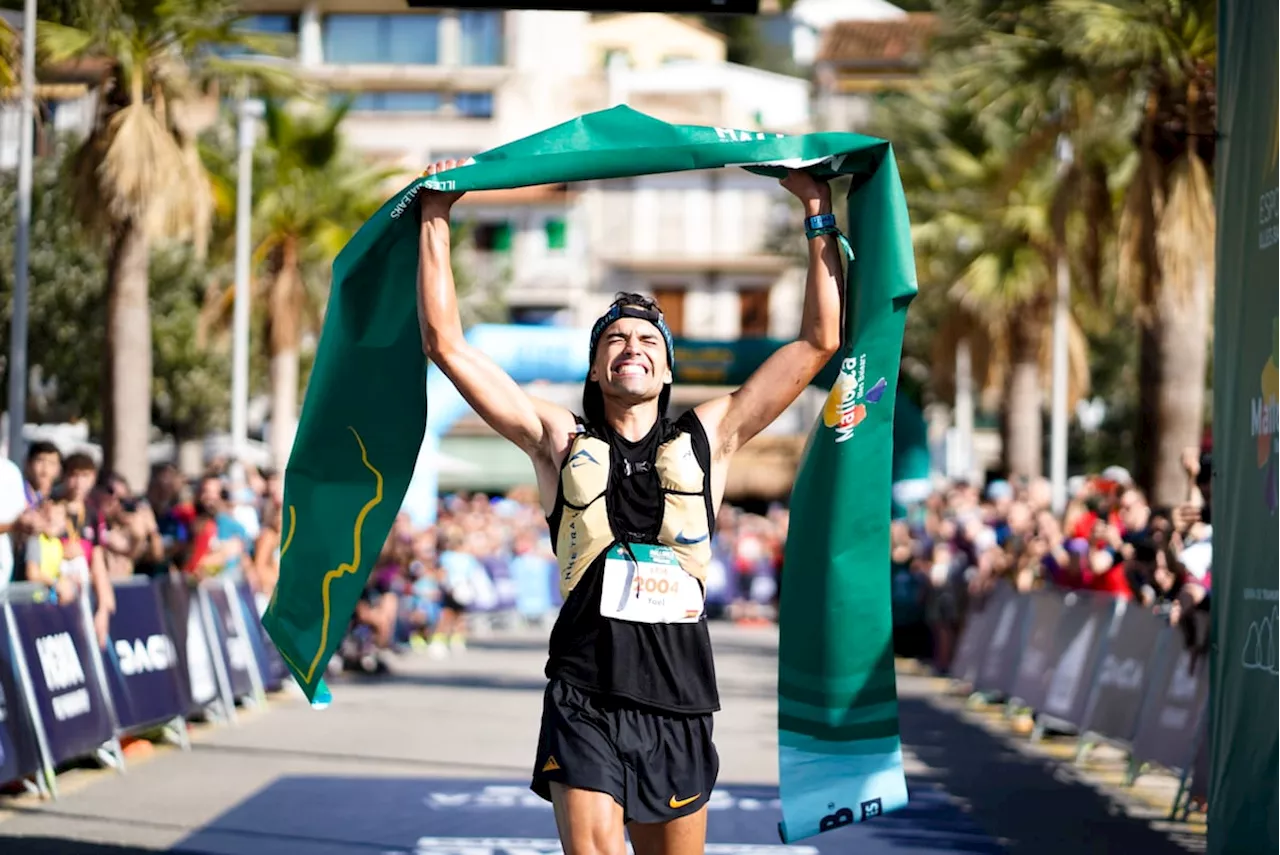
1246,373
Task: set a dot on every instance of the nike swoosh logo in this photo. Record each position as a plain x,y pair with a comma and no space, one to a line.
689,541
676,804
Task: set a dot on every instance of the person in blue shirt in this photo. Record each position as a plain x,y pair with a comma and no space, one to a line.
461,571
213,502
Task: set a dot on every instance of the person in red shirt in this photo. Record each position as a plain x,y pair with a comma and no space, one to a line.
1107,575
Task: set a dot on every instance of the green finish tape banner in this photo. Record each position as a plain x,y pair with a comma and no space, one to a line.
1243,800
365,413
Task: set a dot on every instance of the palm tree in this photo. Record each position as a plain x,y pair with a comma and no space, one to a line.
137,177
989,240
311,194
1154,61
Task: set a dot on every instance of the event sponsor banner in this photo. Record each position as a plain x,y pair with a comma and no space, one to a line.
200,650
1200,772
1035,664
1123,675
979,628
1081,641
270,663
19,752
1246,454
141,660
1173,708
236,649
1001,659
69,697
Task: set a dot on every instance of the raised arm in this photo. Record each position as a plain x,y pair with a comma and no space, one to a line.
732,420
539,428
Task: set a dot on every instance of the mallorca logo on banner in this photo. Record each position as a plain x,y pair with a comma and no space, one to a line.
1262,424
846,405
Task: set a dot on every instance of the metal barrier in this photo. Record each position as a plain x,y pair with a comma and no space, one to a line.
1097,666
174,651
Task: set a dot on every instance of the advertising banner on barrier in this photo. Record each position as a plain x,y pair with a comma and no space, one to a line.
19,754
195,671
142,661
1082,638
1001,658
1123,675
69,697
1200,770
236,649
270,663
979,627
1174,706
1035,665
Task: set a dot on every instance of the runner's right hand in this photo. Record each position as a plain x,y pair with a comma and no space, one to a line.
437,202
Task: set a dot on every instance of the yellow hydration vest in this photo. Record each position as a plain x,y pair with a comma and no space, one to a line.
584,530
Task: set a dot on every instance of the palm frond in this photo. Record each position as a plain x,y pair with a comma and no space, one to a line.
1184,235
1139,259
131,168
60,43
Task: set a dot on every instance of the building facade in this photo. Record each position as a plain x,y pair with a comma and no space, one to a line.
857,61
435,84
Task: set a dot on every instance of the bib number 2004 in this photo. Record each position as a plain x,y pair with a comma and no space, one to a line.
650,587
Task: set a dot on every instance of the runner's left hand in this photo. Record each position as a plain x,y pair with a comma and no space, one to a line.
815,194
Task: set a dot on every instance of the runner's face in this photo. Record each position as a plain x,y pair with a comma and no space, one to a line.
631,360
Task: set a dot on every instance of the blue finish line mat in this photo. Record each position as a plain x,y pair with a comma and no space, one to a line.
438,816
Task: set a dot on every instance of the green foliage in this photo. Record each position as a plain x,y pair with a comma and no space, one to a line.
68,316
67,308
190,386
310,193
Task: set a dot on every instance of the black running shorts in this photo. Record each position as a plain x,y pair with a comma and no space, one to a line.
656,766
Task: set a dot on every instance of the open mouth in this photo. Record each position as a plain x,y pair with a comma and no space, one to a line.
631,369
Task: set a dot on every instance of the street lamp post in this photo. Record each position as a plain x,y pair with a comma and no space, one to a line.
22,249
1061,311
248,111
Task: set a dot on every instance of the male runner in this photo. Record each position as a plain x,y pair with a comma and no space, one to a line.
631,498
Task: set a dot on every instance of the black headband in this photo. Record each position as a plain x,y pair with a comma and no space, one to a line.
617,312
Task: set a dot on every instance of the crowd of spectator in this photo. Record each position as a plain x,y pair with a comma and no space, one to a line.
68,526
487,561
954,548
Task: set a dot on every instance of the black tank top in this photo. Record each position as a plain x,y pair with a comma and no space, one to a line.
664,667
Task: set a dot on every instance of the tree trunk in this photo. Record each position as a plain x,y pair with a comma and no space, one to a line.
284,404
1024,432
127,414
285,308
1174,363
191,457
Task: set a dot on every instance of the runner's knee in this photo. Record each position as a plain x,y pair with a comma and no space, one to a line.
596,839
590,822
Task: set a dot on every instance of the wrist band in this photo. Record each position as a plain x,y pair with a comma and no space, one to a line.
820,221
825,224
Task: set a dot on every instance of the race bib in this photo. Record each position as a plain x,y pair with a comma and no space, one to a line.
650,587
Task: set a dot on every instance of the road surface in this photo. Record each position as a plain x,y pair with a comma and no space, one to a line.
435,760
